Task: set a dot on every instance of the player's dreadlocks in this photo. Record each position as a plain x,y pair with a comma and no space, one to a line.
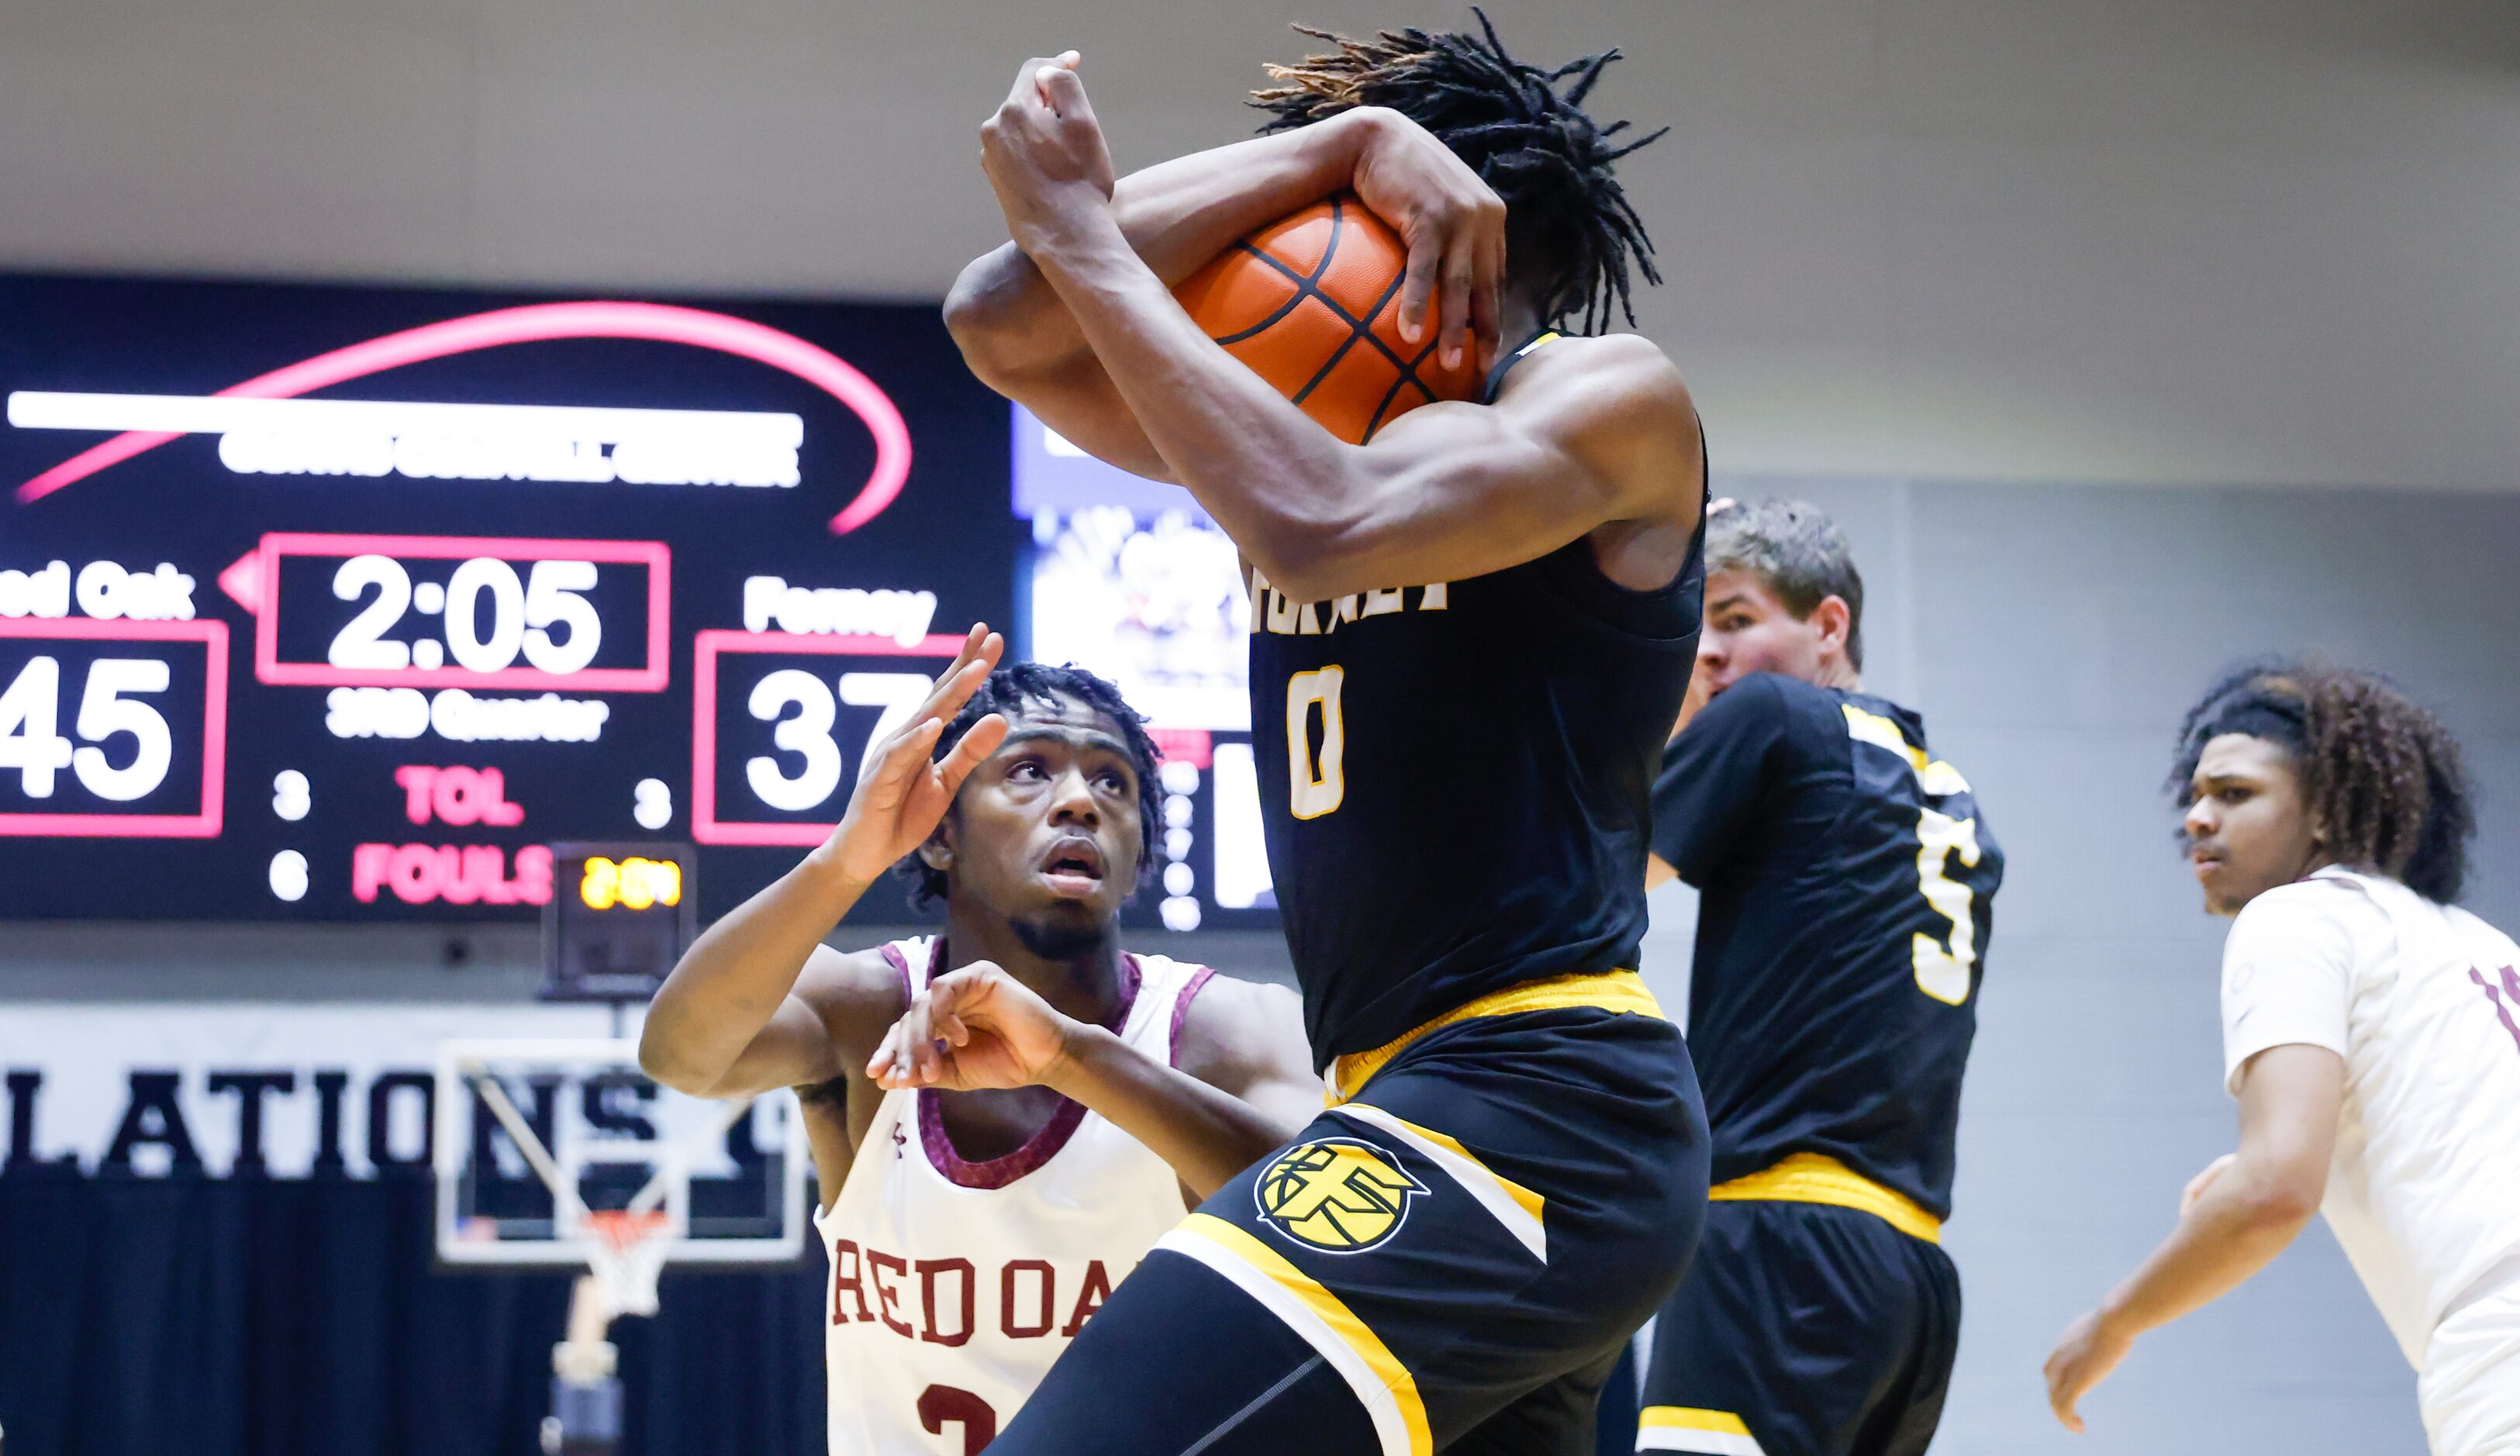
2381,776
1006,691
1567,220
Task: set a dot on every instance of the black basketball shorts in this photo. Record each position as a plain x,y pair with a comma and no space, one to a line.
1803,1329
1451,1257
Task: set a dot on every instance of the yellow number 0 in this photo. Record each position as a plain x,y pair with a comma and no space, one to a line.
1944,974
1316,787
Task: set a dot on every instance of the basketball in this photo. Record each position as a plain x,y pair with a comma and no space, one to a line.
1311,304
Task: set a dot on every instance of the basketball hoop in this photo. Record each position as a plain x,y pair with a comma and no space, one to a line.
606,1190
626,1256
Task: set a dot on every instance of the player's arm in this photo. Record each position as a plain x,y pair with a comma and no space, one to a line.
837,1010
1597,435
1244,1086
1245,1039
729,1022
1714,774
1019,339
2243,1216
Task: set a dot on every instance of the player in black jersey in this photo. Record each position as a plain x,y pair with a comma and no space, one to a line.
1470,636
1848,883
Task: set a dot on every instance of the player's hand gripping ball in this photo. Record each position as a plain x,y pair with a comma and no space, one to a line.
1311,304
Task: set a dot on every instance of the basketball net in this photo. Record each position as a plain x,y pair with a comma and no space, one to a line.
625,1257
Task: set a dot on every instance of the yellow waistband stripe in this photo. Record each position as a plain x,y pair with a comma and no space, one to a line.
1691,1418
1685,1428
1816,1177
1332,1314
1617,991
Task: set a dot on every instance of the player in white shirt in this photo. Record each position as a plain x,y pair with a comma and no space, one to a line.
1097,1095
2372,1033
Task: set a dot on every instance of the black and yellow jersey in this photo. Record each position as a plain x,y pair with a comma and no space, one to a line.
1456,780
1848,885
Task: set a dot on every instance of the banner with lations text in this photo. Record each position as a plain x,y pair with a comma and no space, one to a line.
230,1089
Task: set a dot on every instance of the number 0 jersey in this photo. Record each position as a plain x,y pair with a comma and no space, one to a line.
1848,884
956,1284
1456,780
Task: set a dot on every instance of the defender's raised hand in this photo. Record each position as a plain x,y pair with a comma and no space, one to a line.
1043,152
903,793
970,1029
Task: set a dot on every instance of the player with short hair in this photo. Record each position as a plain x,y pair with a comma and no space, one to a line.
1470,634
2370,1032
973,1230
1848,883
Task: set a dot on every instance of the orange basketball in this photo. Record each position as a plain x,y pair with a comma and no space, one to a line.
1311,304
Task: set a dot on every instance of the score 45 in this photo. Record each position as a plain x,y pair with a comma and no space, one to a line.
147,702
781,725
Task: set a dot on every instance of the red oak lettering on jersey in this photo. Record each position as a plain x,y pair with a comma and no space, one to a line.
929,1269
846,1275
1007,1299
949,1294
888,1297
1098,1288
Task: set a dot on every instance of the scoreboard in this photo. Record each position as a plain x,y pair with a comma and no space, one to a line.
352,603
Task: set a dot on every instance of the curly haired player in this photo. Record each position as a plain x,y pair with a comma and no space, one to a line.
1471,634
2371,1030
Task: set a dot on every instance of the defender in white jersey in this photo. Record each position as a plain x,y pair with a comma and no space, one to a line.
954,1283
975,1223
2372,1033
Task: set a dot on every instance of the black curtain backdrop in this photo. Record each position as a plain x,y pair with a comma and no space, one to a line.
305,1317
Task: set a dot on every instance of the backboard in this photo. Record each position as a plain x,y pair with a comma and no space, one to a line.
534,1136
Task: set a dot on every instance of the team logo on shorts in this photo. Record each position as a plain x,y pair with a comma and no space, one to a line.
1336,1193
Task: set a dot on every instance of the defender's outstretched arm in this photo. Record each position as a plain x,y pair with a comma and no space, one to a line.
1019,339
1446,492
729,1021
2244,1213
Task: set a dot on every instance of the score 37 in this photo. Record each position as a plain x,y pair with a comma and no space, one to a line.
791,705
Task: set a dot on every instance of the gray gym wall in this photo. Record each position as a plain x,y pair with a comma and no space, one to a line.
1960,270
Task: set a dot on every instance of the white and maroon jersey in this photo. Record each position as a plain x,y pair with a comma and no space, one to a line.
955,1284
2423,1003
